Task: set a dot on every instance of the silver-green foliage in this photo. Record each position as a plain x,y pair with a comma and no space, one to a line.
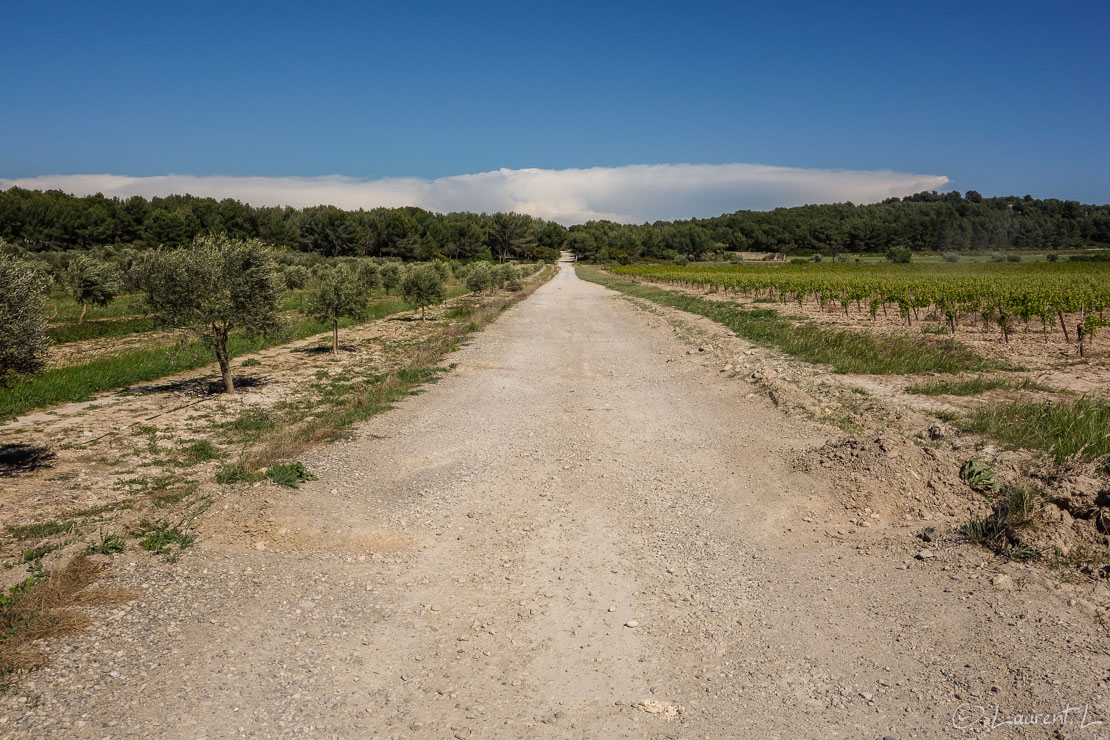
92,282
479,277
23,340
340,294
369,274
295,277
423,286
392,273
213,287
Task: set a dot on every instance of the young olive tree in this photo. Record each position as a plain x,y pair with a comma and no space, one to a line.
92,282
479,277
341,294
513,278
392,273
23,339
295,277
213,287
369,274
443,269
422,287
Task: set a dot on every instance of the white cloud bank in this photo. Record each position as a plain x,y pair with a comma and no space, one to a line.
629,194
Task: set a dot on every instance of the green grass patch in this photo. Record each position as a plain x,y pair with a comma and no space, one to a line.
236,474
108,329
1072,428
250,424
198,451
289,476
123,306
39,530
844,351
975,386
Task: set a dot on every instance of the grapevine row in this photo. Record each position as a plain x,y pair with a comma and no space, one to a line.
1075,296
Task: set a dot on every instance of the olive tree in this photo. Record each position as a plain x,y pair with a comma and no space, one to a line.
392,273
340,294
92,282
295,277
501,275
443,269
513,278
422,287
23,339
213,287
479,278
369,274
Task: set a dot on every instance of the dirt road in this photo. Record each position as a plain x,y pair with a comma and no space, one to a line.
581,531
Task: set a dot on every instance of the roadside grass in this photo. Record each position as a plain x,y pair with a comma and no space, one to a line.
38,553
975,386
844,351
249,425
40,607
1079,428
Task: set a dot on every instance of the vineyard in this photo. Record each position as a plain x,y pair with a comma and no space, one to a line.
1067,301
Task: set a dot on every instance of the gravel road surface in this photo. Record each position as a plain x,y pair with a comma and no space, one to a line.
580,531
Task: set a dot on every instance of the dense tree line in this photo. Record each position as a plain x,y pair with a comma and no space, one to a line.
926,221
52,221
44,221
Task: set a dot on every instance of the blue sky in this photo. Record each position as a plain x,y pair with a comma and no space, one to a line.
999,97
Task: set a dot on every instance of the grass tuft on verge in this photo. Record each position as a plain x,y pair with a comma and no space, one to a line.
1079,428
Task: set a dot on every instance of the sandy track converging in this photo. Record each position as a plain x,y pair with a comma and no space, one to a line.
466,566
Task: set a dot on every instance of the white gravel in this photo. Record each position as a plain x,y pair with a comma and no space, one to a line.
582,531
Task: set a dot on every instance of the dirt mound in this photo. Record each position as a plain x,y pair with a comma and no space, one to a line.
891,478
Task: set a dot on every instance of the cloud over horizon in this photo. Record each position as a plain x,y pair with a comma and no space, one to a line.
627,194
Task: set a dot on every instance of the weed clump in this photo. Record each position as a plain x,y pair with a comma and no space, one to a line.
289,476
161,538
1015,512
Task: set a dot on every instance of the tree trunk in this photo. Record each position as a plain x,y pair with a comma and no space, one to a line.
84,310
225,364
335,337
422,314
